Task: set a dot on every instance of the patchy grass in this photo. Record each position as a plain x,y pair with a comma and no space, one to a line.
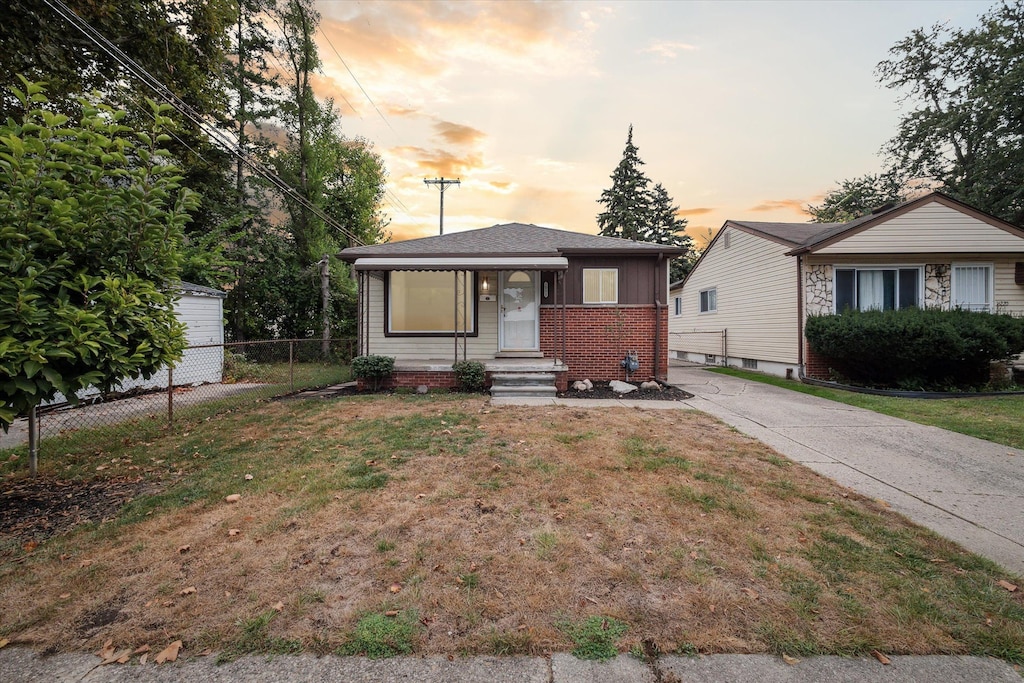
441,525
595,637
993,418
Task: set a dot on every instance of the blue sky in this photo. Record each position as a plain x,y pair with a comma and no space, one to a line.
744,110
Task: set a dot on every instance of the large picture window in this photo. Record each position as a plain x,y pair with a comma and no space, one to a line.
972,287
423,302
600,285
885,289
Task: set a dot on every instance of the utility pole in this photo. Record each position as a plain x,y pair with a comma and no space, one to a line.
443,185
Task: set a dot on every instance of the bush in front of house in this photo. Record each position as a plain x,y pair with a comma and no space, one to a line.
469,374
915,349
373,369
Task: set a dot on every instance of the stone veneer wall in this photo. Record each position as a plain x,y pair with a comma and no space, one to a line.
818,290
937,285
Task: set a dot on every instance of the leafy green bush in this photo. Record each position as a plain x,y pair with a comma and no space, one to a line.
469,374
915,348
375,369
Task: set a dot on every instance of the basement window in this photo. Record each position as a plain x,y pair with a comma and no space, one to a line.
750,364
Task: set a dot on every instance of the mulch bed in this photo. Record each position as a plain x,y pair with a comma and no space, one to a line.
601,390
34,509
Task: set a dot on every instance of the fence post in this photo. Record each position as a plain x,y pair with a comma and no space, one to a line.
33,442
291,365
170,396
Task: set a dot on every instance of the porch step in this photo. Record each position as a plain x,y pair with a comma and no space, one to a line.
516,384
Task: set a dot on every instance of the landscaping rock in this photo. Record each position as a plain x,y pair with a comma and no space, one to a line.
422,389
579,385
650,385
620,387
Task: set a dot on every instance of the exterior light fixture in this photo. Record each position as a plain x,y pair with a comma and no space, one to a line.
485,285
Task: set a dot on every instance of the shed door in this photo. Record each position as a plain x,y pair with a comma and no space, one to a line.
519,319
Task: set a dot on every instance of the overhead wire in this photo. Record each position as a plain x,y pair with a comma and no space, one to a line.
216,135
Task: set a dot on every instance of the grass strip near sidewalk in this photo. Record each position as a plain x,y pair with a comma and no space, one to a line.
994,418
441,525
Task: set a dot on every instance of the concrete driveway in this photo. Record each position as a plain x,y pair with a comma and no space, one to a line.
967,489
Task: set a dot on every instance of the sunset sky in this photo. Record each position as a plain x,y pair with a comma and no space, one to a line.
743,110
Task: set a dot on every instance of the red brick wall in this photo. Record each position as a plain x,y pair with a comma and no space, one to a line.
815,365
598,338
442,380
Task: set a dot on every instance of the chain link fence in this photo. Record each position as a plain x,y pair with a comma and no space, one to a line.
209,379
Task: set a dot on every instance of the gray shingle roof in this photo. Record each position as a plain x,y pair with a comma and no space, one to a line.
794,234
510,238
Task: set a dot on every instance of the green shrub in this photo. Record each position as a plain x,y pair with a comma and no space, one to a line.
915,348
375,369
469,374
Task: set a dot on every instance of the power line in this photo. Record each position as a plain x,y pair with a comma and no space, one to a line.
365,94
191,114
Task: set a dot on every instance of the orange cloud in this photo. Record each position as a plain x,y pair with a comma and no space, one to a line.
440,162
458,134
501,185
693,212
781,205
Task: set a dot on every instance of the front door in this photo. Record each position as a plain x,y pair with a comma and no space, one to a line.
519,319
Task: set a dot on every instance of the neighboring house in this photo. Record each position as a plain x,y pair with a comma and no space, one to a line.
201,309
518,298
745,301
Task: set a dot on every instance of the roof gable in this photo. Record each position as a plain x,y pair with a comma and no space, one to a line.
510,238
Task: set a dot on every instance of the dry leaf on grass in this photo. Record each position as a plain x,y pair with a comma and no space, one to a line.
754,595
106,650
248,477
64,596
1007,585
169,653
144,658
233,498
4,642
234,532
279,606
790,660
188,591
880,657
140,649
395,588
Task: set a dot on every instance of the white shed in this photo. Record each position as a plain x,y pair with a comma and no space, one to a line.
201,309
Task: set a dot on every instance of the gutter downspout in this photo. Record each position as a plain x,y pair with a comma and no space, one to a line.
657,316
800,316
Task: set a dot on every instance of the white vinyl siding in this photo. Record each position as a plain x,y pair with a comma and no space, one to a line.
600,285
1007,294
756,292
484,345
972,287
930,228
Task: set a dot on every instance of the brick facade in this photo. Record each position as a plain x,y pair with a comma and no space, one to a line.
598,338
815,365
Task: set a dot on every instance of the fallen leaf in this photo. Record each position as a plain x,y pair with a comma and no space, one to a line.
391,613
790,660
751,592
420,495
169,653
233,498
880,657
234,532
30,546
144,658
184,549
106,650
248,477
1007,585
395,588
64,596
188,591
4,642
140,649
124,657
279,606
167,603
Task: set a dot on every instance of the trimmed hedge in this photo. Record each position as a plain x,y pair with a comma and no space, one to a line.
375,369
927,349
470,375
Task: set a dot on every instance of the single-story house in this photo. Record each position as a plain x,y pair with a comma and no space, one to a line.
525,300
745,302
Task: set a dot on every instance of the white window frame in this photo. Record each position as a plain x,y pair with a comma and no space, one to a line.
700,301
469,282
990,279
678,303
875,266
602,296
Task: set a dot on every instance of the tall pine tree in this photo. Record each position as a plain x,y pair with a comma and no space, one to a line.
635,211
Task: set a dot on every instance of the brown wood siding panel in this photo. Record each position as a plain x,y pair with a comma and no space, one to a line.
639,277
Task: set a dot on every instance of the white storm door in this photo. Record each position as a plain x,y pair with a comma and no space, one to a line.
519,330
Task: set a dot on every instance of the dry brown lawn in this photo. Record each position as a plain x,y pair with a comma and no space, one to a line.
492,526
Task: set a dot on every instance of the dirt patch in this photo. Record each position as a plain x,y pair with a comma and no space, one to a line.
32,510
602,390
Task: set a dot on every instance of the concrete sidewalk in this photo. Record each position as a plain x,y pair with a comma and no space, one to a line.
20,665
966,489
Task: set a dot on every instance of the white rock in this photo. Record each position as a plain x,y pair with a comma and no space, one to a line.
579,386
651,385
621,387
422,389
590,385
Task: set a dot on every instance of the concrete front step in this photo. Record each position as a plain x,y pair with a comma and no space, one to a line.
510,378
519,384
523,390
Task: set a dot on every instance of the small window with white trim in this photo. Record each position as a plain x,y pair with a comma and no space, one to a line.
600,285
972,286
678,302
709,300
